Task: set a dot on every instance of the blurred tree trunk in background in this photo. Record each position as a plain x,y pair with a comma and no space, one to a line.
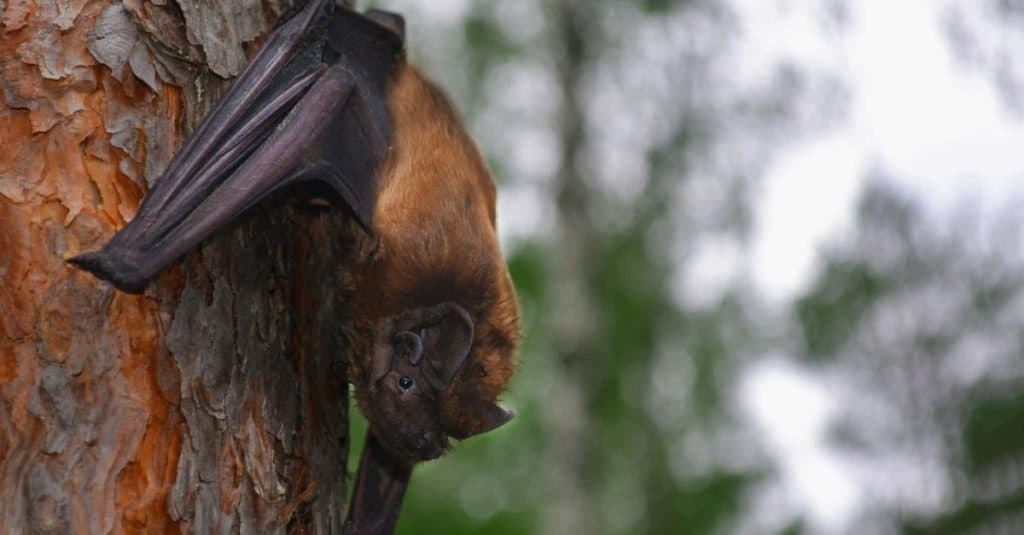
214,403
569,257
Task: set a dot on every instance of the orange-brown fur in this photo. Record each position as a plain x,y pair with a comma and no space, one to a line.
437,242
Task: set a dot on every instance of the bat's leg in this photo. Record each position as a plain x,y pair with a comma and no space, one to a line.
389,20
380,488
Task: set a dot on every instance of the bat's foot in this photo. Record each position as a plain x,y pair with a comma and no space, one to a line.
122,274
390,20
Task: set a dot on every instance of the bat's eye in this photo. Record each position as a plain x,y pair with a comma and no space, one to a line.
405,383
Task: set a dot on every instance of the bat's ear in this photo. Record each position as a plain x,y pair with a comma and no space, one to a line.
477,418
383,355
441,335
447,340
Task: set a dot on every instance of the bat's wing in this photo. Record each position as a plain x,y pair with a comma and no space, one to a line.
379,491
312,105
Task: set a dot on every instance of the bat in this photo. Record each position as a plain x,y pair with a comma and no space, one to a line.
310,106
330,99
380,487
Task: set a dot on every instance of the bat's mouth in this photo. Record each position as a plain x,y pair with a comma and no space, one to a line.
425,447
415,447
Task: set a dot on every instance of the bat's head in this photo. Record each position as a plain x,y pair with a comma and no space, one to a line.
416,359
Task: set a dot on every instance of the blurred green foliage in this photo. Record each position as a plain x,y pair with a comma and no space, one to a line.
994,442
846,291
645,385
994,429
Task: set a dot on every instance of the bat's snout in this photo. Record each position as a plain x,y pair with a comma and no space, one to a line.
428,445
123,274
410,444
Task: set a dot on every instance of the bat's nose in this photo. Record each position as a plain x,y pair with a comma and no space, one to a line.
427,445
424,439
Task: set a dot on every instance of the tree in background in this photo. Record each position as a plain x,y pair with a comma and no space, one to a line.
608,123
923,320
628,149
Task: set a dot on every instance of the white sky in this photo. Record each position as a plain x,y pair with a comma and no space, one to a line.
931,125
937,129
791,408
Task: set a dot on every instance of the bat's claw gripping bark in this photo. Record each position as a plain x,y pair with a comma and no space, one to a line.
389,20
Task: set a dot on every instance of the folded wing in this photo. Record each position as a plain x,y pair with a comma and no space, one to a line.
312,105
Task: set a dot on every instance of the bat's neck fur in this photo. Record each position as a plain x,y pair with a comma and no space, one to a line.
435,221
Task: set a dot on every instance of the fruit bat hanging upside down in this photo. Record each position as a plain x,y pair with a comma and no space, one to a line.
331,99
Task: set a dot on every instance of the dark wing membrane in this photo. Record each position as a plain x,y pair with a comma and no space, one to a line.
299,111
275,79
284,158
380,488
370,51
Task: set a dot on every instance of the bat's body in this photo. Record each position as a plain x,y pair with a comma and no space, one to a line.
435,226
331,99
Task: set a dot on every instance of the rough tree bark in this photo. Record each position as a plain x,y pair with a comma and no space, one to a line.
217,401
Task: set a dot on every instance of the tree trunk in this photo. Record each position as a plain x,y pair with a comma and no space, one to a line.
568,456
216,402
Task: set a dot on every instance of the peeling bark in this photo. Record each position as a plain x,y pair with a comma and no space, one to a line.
217,401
